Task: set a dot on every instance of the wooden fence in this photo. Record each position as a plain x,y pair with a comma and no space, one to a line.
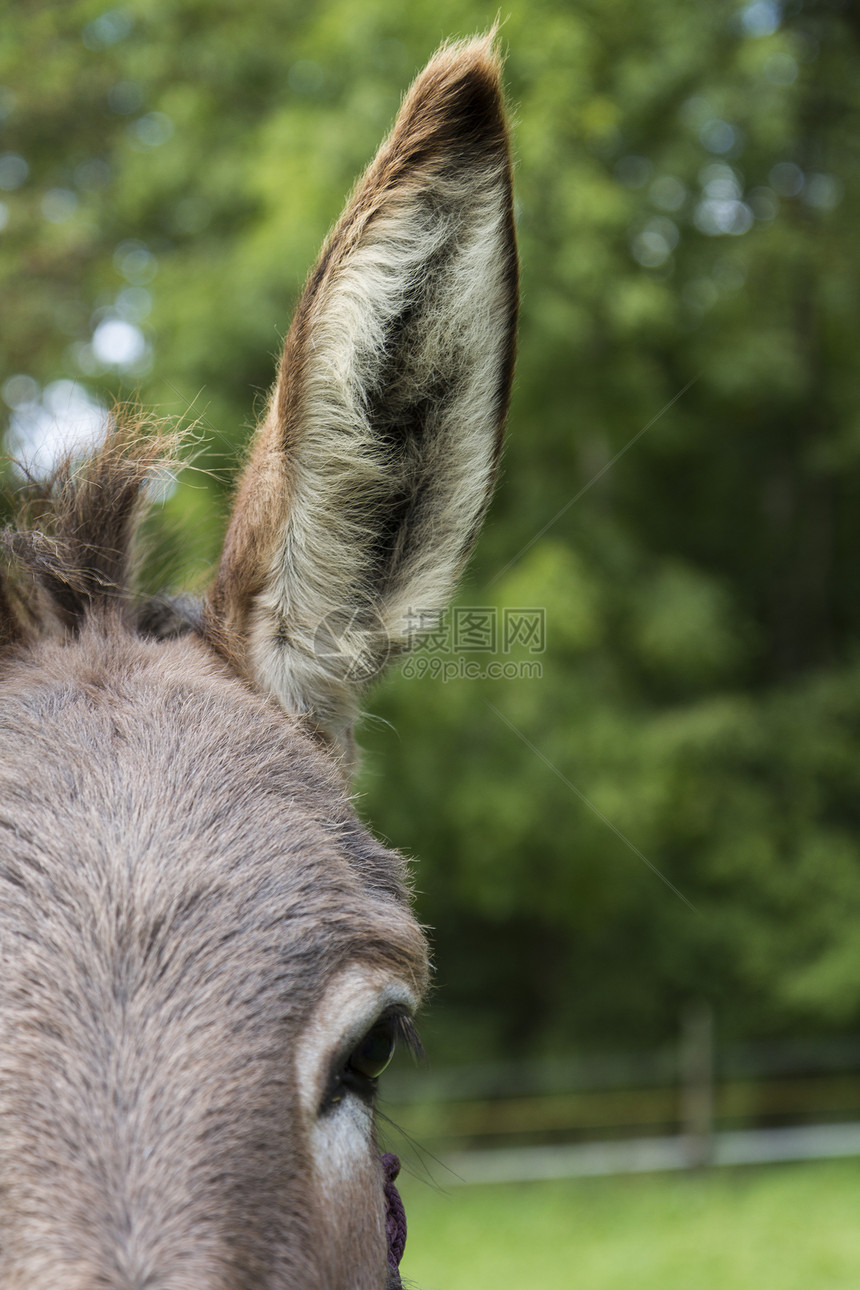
693,1095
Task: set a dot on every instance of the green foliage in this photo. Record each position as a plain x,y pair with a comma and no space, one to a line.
680,491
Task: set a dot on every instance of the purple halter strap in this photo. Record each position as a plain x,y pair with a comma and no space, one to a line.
395,1216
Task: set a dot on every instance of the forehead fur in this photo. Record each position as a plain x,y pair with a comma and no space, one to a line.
145,771
181,875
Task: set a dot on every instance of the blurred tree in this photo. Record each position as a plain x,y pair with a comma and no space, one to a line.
680,494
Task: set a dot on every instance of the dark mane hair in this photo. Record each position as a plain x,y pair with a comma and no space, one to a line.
73,549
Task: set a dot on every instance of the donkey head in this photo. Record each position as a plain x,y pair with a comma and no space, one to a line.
205,958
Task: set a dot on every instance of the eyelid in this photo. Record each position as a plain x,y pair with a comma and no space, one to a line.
352,1000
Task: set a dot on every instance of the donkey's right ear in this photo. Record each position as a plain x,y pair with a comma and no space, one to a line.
368,480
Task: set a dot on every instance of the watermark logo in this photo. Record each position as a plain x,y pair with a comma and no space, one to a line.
468,642
355,646
475,629
435,667
475,642
526,627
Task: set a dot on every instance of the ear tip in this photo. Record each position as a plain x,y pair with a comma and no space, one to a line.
478,53
459,94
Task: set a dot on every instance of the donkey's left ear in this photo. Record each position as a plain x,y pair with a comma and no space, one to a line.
369,479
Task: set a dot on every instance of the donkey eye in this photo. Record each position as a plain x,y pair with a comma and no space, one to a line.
373,1053
358,1072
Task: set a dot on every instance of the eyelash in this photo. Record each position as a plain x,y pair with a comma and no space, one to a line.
346,1076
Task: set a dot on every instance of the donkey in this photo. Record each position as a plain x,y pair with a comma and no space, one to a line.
206,958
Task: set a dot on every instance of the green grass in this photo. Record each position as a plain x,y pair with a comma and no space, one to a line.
794,1227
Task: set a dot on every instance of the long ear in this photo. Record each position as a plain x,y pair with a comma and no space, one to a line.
369,479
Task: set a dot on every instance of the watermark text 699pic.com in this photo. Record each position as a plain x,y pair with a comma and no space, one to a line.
475,643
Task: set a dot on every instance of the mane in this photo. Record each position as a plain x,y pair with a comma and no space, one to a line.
72,551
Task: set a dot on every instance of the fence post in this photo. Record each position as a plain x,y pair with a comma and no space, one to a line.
697,1082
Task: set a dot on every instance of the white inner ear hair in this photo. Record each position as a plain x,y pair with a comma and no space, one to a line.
396,439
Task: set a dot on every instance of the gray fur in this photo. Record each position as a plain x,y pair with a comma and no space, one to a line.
186,894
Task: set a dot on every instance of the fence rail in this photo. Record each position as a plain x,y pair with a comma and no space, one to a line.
689,1105
653,1155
